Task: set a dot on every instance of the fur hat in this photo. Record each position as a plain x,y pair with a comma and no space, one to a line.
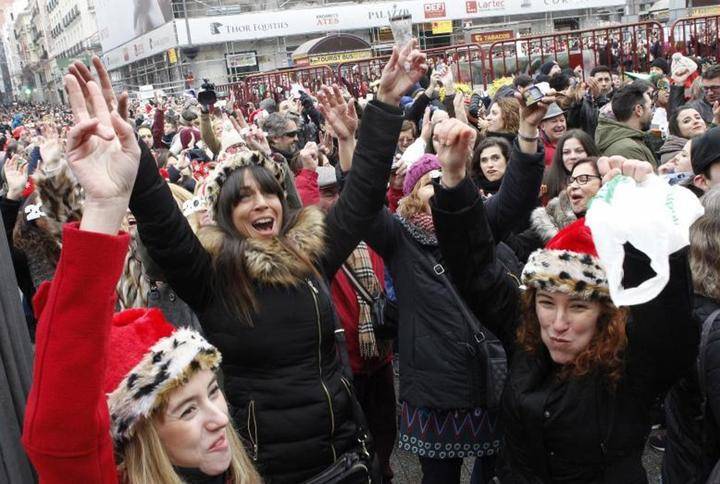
569,264
226,167
417,170
230,138
147,358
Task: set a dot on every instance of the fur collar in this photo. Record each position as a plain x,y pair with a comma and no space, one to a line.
273,261
547,221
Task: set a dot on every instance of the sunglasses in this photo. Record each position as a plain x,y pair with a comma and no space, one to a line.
292,134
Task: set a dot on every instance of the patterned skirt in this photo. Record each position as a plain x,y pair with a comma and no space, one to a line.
449,434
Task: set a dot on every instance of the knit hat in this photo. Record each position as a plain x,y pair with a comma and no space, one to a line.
226,167
569,264
705,150
188,135
230,138
417,170
662,64
148,357
187,117
547,67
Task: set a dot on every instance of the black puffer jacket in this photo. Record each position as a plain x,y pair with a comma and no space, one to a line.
283,378
578,430
693,442
437,365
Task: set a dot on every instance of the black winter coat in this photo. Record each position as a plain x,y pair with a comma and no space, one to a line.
577,430
283,378
693,439
437,365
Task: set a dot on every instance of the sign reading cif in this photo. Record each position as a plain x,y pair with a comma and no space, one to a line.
435,10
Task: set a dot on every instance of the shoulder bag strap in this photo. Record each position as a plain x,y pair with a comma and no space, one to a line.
356,284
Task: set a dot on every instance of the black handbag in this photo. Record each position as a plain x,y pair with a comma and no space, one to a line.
383,311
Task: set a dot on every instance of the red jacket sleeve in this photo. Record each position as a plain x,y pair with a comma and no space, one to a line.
67,426
394,195
158,128
306,183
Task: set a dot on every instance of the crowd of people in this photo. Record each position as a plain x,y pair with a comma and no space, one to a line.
231,294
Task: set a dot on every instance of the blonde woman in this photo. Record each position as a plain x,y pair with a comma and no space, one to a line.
123,398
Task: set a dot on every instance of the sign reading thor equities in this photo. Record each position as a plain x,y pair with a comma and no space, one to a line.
346,18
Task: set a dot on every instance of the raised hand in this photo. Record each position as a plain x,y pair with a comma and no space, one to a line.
15,171
456,141
426,130
340,115
50,145
396,80
103,154
309,156
532,115
257,141
612,166
716,112
83,76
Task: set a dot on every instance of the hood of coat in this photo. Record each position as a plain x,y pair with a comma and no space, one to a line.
609,132
548,221
275,261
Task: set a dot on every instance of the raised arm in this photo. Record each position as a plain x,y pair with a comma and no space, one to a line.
76,309
363,195
520,189
465,238
163,229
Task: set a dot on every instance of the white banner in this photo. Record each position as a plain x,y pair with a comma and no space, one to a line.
209,30
146,45
241,59
120,21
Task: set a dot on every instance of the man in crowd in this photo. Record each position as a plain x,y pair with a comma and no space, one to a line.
407,136
282,133
600,85
705,160
552,128
632,107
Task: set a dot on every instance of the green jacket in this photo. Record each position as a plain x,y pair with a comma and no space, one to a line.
614,138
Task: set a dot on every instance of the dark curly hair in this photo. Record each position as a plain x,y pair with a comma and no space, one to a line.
605,351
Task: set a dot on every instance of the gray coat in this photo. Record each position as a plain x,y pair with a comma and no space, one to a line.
15,374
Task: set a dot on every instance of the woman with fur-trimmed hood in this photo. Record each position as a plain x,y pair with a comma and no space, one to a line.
258,283
545,222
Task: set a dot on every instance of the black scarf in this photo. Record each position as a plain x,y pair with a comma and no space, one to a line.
196,476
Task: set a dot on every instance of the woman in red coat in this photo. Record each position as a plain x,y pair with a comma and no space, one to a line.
123,398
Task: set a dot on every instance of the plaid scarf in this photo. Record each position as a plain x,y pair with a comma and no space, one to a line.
361,266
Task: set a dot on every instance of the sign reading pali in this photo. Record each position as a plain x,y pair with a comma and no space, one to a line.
702,11
490,37
338,57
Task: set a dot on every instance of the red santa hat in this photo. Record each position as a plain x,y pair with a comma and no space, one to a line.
147,358
569,264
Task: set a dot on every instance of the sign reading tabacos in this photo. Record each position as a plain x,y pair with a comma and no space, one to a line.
435,10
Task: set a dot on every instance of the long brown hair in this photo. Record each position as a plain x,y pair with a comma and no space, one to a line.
605,351
510,108
232,278
412,204
704,254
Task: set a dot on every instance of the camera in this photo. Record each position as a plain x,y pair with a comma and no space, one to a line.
535,93
207,97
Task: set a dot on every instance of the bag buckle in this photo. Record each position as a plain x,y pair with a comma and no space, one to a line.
439,269
363,447
479,337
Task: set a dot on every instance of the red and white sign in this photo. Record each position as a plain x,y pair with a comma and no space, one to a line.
471,6
435,10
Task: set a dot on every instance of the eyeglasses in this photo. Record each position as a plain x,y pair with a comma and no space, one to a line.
711,88
292,134
581,179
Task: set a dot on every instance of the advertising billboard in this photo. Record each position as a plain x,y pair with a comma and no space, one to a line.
122,21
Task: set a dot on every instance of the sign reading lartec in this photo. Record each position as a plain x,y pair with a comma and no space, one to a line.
490,37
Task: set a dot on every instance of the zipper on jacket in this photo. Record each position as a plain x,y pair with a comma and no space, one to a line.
252,429
314,292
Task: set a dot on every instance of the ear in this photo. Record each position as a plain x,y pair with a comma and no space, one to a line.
701,182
